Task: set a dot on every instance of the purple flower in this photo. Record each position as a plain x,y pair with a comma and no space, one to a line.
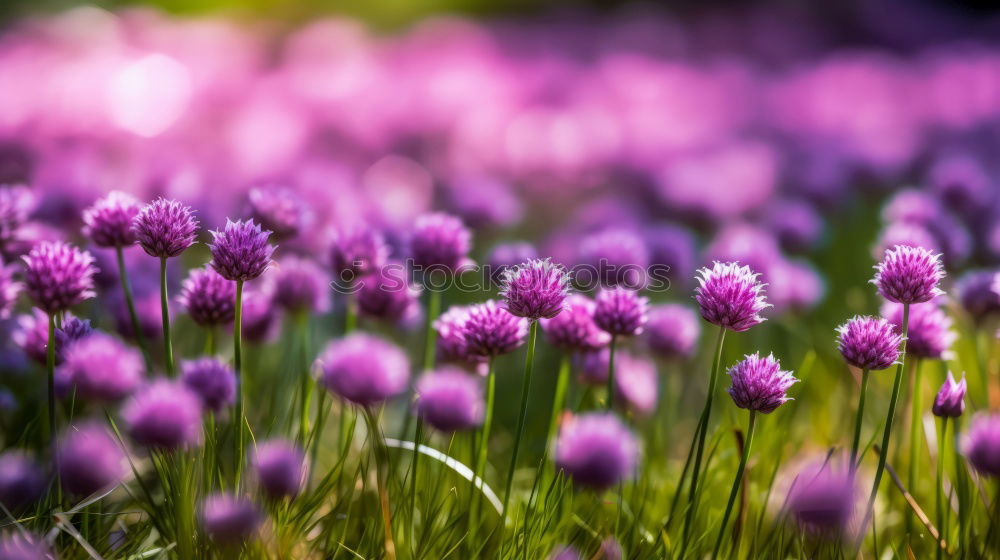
148,310
229,520
364,369
260,317
636,383
730,296
870,343
759,384
440,241
796,223
490,330
281,468
981,444
450,400
961,182
209,298
904,233
301,286
612,257
508,255
387,294
17,202
58,276
165,228
89,459
213,381
950,400
22,480
574,329
909,275
18,545
451,345
823,499
565,553
672,331
596,450
355,252
536,289
163,415
9,289
108,222
241,251
620,311
278,209
592,366
672,252
32,337
978,292
928,334
102,368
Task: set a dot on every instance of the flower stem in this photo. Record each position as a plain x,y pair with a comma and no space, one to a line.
700,436
130,303
559,399
168,349
939,486
961,482
858,420
382,470
525,389
237,366
611,373
736,483
430,335
479,466
887,432
50,370
916,439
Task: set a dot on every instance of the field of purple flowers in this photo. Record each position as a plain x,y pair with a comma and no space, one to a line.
496,290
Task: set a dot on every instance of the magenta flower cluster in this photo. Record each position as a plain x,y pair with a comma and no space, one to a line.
759,384
450,400
165,228
490,330
536,289
870,343
730,296
241,251
574,328
58,276
620,311
909,275
364,369
596,450
108,222
950,400
209,298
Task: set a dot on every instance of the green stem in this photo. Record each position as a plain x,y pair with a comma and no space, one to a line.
965,503
916,439
168,350
736,484
382,471
237,367
430,334
479,466
210,341
130,303
559,399
50,370
525,389
350,315
939,485
887,431
611,373
418,435
700,435
858,420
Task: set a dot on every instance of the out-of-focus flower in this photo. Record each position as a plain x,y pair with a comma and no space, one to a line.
148,310
440,242
490,330
981,444
950,400
89,459
636,383
506,256
450,400
356,252
869,342
281,468
213,381
241,251
574,329
301,286
364,369
730,296
794,285
796,224
979,293
759,384
165,228
209,298
823,499
535,290
278,209
565,553
58,276
108,222
21,480
387,294
672,331
592,365
904,233
260,318
961,182
672,252
102,368
909,275
612,257
929,331
620,311
229,520
596,450
451,345
484,202
16,205
20,545
9,289
163,415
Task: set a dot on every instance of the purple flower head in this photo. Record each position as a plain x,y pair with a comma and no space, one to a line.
387,294
209,298
213,381
58,276
18,545
911,206
794,285
961,182
485,202
620,311
759,384
17,202
451,345
870,343
536,289
950,400
229,520
909,275
355,252
796,224
490,330
281,468
508,255
636,383
823,499
730,296
9,289
672,250
108,222
278,209
612,257
364,369
672,331
165,228
904,233
301,286
148,310
90,459
22,481
241,251
978,292
440,241
596,450
592,366
102,368
929,333
574,329
450,400
260,317
981,444
565,553
163,415
32,337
